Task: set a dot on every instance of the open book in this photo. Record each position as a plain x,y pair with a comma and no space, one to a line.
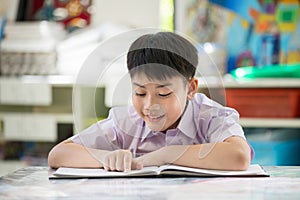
165,170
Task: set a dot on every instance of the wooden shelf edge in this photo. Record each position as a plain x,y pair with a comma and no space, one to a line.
270,122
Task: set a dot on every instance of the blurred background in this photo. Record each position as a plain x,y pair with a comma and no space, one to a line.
249,59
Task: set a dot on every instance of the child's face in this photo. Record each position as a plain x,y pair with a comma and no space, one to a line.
160,103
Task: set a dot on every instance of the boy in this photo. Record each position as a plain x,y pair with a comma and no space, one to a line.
169,123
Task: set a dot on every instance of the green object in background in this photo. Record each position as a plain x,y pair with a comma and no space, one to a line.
271,71
91,121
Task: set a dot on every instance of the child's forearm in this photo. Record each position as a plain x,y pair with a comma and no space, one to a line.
232,154
68,154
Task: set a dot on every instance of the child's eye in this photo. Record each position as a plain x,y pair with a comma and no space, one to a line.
140,94
165,95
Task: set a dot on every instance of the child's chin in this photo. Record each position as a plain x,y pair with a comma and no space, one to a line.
156,128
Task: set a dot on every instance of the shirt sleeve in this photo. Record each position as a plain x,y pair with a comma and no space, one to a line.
101,135
224,124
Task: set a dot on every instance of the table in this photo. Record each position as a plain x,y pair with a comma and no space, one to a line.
33,183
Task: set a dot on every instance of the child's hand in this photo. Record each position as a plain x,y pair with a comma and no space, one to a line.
155,158
119,160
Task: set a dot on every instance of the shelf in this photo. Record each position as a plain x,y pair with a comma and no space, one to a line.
32,126
229,82
264,83
211,81
270,122
53,80
59,118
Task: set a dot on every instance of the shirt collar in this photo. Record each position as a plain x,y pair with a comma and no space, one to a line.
147,131
186,124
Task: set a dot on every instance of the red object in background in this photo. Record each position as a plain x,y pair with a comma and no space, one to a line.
77,11
264,102
32,7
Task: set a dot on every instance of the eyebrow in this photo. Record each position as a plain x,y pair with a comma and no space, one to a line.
159,86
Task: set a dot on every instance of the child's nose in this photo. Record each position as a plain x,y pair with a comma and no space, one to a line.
149,102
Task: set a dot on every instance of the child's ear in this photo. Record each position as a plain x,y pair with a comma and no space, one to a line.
192,88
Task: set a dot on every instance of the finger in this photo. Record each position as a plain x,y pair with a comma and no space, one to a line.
105,163
112,162
127,161
136,164
106,167
139,166
119,161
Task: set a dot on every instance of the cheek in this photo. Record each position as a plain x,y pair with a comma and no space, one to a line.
181,99
176,106
136,103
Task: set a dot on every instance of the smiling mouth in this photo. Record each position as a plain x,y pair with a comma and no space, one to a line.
155,118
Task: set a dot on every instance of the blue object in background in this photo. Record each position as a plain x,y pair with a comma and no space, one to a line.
2,26
240,8
269,50
238,38
274,146
272,153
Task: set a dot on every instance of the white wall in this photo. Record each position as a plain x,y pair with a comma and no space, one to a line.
134,13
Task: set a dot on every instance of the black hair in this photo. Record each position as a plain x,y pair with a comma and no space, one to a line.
151,51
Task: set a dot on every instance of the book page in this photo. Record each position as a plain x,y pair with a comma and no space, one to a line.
90,172
253,170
